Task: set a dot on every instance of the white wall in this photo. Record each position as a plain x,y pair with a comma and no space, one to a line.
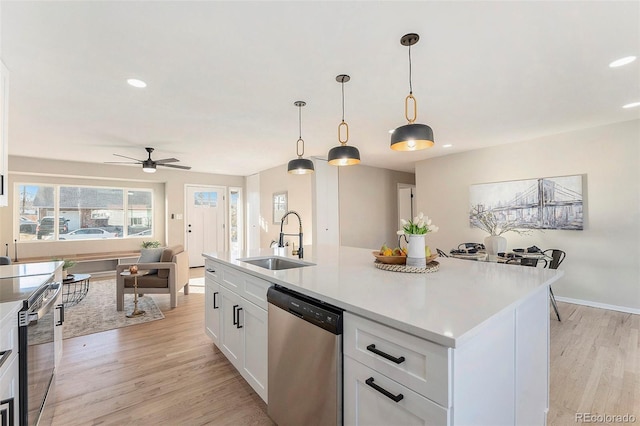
298,188
369,205
603,261
168,185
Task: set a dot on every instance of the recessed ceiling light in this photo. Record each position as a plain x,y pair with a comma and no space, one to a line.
622,61
631,105
136,83
447,145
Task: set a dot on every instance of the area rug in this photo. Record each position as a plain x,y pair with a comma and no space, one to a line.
97,311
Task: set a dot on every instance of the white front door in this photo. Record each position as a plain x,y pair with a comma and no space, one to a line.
205,222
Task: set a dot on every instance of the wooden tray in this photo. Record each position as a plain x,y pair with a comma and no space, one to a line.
432,266
396,260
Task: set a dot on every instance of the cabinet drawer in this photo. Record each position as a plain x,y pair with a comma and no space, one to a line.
9,327
252,288
418,364
212,269
369,400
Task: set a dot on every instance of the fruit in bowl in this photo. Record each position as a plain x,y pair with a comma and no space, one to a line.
388,255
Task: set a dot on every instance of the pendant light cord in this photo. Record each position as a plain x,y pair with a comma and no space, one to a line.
410,85
342,84
300,121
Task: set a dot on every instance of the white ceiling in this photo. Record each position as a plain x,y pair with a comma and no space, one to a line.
222,76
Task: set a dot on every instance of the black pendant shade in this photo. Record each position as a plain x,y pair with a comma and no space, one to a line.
300,166
412,137
344,155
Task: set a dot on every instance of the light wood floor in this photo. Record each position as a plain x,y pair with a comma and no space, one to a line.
169,373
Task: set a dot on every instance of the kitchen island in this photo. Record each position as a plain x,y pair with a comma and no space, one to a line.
475,335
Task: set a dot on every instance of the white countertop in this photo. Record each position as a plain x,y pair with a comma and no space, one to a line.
444,306
27,269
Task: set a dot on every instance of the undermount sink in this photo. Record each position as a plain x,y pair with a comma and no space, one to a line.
275,263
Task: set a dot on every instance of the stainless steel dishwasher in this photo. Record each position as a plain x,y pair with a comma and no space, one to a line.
305,360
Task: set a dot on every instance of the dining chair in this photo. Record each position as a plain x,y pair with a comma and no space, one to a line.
441,253
556,257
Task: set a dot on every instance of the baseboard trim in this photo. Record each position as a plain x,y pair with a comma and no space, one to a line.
599,305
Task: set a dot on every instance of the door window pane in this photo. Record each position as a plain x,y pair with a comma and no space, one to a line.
205,199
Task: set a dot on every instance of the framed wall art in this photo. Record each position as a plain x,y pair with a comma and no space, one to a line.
541,203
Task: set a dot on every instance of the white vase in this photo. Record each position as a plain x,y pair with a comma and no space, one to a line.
495,244
415,251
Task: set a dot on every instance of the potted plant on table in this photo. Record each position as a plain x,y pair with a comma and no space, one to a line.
415,231
66,264
495,224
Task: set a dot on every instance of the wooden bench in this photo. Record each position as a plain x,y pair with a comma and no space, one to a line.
94,263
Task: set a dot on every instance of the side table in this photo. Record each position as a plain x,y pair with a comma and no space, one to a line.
74,289
136,312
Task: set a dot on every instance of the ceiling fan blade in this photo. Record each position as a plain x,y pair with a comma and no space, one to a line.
166,160
121,162
124,156
175,166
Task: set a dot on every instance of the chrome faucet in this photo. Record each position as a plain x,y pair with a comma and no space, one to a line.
299,234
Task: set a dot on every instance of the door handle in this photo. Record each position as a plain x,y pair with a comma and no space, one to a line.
397,398
372,348
214,300
238,325
61,321
235,321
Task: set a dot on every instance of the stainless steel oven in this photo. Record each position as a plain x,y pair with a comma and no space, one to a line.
36,323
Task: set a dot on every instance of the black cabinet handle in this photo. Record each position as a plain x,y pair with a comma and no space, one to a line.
396,398
4,355
61,307
239,326
235,321
6,414
372,348
214,300
211,270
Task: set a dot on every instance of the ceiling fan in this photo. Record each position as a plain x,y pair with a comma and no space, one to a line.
149,165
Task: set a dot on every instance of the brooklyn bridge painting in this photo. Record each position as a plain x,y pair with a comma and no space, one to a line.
543,203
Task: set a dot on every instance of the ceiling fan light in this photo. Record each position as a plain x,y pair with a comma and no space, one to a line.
344,155
148,166
412,137
300,166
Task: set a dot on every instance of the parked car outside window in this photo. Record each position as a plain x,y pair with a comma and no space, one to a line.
86,234
27,226
45,227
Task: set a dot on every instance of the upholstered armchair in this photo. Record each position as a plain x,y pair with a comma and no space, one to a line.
167,276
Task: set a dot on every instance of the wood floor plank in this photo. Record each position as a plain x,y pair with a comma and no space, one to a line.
168,372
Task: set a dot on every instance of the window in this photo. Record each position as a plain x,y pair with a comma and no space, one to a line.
61,212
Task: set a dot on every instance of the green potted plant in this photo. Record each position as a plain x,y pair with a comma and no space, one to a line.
66,264
150,244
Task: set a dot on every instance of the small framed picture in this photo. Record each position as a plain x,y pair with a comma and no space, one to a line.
279,207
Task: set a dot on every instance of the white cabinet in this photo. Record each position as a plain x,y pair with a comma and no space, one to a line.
212,310
497,376
370,398
58,330
236,320
9,362
4,144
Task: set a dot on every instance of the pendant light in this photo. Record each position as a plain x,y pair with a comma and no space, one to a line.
411,137
300,166
343,155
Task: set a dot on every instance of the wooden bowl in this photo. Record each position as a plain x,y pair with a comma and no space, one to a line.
391,260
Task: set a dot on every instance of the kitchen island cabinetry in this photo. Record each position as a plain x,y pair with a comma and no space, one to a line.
240,324
466,345
9,363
